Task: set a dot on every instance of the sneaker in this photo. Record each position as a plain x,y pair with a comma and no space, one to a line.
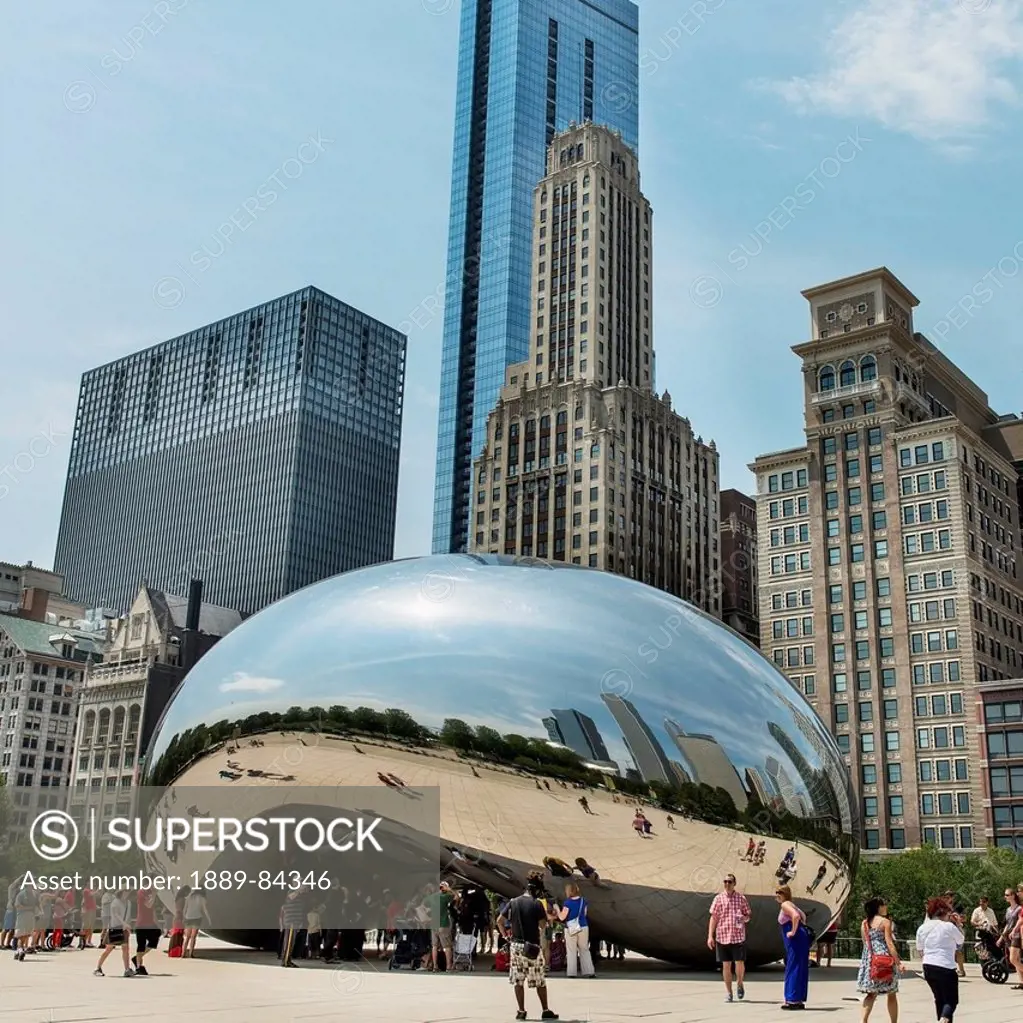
728,997
141,971
98,972
129,973
549,1014
521,1014
741,991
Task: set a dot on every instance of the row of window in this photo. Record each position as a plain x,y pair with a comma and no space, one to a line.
942,737
879,520
853,496
925,543
942,804
857,552
932,610
1005,744
1006,781
789,507
848,373
790,563
921,455
790,535
1009,710
786,481
923,483
851,441
860,621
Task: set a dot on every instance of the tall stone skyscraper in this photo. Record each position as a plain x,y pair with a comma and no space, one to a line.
258,453
889,545
582,461
526,70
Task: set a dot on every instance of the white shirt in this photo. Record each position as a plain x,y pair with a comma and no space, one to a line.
937,941
118,913
984,919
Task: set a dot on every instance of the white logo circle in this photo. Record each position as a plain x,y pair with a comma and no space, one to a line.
61,831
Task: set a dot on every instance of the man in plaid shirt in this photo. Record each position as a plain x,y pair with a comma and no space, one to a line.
729,914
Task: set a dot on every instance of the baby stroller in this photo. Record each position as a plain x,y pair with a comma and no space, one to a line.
465,946
995,967
408,948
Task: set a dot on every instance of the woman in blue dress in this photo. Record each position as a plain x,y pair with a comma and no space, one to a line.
796,936
878,940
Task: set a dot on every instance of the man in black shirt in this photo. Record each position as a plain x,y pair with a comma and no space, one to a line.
520,922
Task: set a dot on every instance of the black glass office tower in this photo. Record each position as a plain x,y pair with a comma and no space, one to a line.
526,69
259,453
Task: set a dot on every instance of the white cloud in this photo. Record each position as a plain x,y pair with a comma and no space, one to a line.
935,69
245,683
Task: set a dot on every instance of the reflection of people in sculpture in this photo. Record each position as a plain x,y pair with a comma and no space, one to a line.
585,804
589,872
751,849
558,868
671,822
830,886
822,870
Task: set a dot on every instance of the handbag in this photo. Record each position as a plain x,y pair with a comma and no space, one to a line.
882,967
573,926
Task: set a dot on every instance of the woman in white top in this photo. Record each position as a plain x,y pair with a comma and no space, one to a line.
117,933
195,913
937,941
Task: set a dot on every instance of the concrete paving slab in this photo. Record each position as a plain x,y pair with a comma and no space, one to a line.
226,984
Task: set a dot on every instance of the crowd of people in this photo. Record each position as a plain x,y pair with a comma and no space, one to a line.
41,922
940,945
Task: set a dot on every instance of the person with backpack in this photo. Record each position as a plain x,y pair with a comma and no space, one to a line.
577,932
521,922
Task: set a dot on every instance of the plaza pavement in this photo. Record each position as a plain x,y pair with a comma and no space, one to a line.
231,985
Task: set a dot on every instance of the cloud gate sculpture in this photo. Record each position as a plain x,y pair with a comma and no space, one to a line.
544,704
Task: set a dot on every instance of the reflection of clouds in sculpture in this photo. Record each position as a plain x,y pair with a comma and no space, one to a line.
242,682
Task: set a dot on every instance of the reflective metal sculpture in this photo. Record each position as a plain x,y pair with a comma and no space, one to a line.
545,702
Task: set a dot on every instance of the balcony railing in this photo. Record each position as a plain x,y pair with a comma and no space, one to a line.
849,391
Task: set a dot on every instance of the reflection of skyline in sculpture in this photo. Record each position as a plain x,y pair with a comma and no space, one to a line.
823,803
578,732
787,797
708,762
834,782
643,747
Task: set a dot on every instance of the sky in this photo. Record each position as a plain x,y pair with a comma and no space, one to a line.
783,144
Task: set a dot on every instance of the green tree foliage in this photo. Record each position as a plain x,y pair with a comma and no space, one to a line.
908,880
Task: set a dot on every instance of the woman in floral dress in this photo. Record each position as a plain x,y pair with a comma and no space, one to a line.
879,941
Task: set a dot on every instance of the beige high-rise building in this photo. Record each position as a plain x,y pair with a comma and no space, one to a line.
583,461
889,560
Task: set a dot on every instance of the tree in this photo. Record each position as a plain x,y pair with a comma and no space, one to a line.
457,734
907,880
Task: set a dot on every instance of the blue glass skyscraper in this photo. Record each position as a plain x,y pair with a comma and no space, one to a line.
526,69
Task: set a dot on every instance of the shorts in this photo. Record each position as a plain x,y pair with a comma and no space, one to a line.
531,972
24,924
88,919
1016,942
735,953
147,938
194,923
115,936
442,937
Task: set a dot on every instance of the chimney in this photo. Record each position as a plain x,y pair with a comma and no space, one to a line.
194,605
190,640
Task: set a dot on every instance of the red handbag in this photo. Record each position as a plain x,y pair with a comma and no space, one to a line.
882,967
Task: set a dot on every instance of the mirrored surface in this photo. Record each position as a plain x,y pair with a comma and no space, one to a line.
556,709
